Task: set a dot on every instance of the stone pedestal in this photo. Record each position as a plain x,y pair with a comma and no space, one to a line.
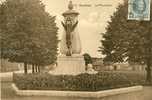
69,65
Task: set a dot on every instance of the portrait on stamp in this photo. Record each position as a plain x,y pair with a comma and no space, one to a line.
139,10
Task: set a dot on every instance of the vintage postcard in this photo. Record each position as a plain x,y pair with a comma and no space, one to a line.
76,49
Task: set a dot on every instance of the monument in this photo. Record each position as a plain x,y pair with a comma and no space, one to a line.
70,61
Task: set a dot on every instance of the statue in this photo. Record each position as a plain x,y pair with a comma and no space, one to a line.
70,43
69,27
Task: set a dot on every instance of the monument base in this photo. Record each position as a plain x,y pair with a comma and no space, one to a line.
69,65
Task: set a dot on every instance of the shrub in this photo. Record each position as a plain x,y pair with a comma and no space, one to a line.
82,82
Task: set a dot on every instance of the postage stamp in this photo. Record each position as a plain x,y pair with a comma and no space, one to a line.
139,10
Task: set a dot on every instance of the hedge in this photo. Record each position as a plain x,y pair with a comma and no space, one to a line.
82,82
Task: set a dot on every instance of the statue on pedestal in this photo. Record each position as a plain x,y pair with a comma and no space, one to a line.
70,46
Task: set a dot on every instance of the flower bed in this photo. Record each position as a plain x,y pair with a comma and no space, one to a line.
82,82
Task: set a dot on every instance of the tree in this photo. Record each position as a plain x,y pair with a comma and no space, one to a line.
126,40
28,33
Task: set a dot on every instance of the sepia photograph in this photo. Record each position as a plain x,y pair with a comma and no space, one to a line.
75,49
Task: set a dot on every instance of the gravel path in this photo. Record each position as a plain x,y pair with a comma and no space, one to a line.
147,93
8,94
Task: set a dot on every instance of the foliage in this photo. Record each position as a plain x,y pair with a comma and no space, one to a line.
82,82
87,58
28,32
126,40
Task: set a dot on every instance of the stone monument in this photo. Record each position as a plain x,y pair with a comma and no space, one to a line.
70,61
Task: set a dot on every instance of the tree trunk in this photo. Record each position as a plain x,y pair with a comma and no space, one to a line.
148,76
33,71
25,68
38,68
35,68
149,57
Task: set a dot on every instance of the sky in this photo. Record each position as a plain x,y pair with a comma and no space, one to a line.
93,18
